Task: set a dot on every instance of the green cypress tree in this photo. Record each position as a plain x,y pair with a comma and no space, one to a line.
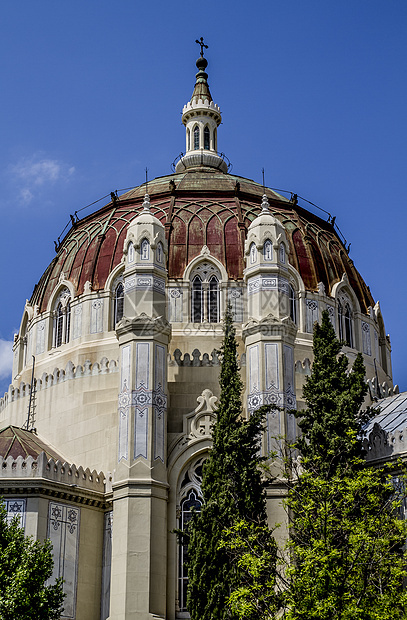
332,421
233,490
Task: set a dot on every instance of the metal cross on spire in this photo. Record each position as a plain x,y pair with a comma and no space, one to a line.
202,44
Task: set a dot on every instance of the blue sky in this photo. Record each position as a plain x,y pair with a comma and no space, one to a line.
315,92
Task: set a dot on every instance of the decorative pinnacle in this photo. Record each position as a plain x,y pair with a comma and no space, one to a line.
265,205
146,204
202,44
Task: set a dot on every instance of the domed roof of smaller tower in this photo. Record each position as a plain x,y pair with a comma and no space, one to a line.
265,218
265,226
146,216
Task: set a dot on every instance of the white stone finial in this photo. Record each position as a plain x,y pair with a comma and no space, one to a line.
146,204
205,251
265,204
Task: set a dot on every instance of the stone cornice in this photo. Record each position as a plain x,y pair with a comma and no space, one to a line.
53,478
270,326
143,325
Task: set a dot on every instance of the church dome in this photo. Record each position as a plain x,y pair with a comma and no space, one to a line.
200,206
116,361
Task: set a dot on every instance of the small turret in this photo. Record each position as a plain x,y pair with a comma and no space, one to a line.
145,273
266,273
201,117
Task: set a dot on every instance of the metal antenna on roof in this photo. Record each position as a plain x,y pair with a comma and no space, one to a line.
146,180
31,403
264,187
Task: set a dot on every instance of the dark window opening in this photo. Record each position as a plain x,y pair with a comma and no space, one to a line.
118,303
192,503
206,138
213,301
197,305
196,138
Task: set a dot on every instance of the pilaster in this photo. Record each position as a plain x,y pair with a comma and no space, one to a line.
140,491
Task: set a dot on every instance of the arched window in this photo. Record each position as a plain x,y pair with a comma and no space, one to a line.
145,250
188,140
59,322
348,326
62,318
206,138
68,321
213,301
345,321
23,352
292,304
253,253
190,501
160,252
118,303
215,141
25,347
190,504
197,300
340,320
282,253
130,253
205,293
268,250
196,137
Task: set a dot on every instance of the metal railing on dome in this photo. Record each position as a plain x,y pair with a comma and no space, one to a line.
74,218
221,155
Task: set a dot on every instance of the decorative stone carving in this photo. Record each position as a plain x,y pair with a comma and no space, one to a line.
205,251
270,325
198,423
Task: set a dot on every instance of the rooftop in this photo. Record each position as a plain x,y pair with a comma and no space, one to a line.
15,442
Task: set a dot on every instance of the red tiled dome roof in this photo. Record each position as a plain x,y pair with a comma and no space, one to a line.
200,206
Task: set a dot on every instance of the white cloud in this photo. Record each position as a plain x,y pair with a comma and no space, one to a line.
6,358
26,196
37,172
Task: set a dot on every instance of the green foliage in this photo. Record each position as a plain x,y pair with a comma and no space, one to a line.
346,547
346,539
232,489
25,566
345,558
332,420
254,549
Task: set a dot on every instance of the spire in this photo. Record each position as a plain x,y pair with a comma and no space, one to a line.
201,89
